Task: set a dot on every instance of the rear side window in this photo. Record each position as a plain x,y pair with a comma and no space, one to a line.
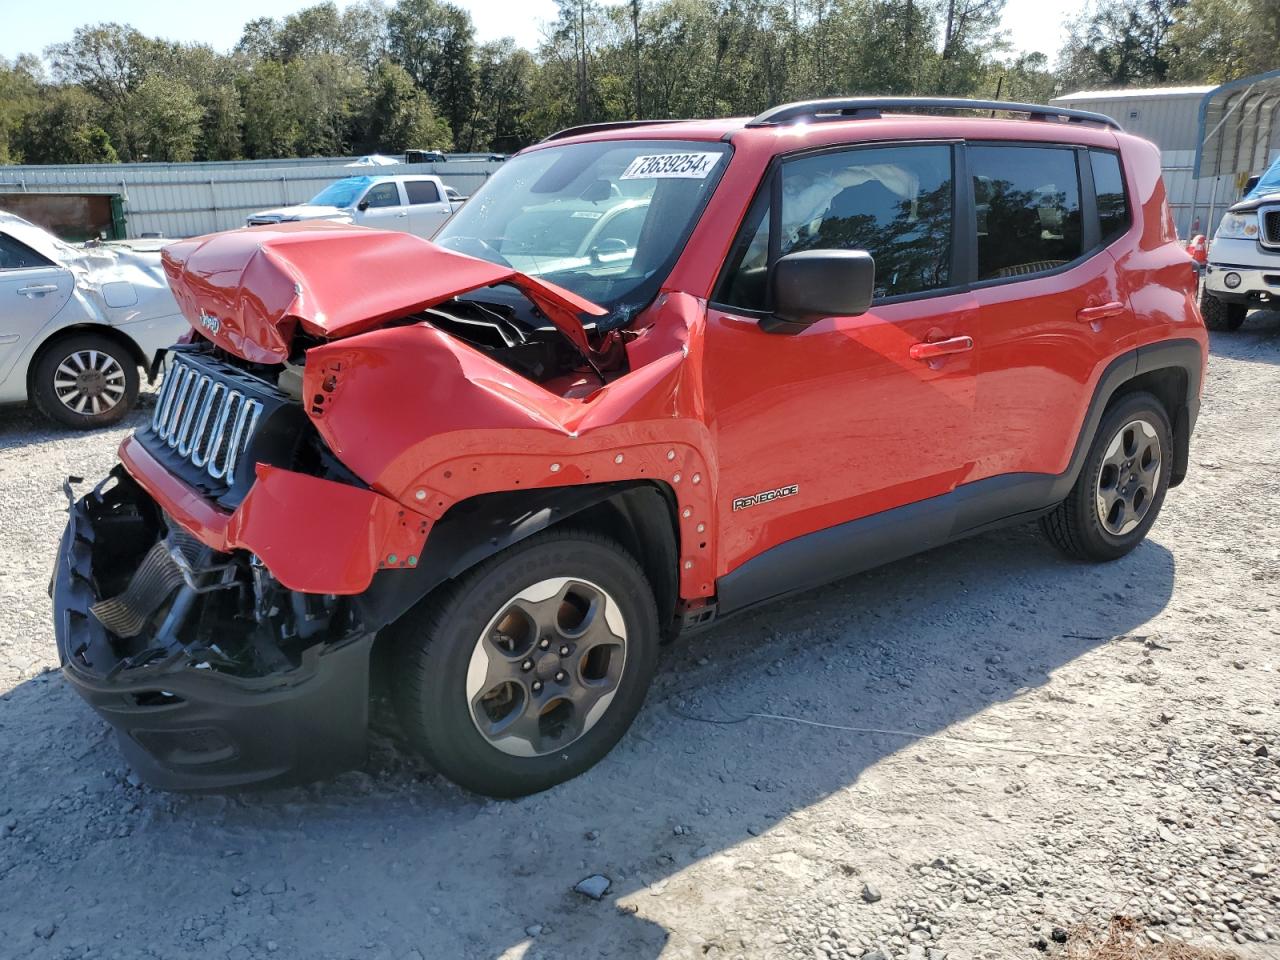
1027,203
1108,186
18,256
383,195
894,202
421,191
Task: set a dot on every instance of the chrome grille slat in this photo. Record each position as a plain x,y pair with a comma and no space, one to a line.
206,420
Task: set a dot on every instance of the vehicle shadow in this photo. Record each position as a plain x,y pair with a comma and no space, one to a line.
1252,342
392,861
23,426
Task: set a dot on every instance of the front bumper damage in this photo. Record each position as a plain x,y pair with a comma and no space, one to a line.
229,678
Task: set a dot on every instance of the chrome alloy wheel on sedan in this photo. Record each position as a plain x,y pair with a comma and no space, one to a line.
89,382
1128,477
546,667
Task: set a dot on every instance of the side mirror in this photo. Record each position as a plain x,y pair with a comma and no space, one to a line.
362,205
610,248
813,284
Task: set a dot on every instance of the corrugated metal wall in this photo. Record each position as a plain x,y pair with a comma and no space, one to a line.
188,199
1172,122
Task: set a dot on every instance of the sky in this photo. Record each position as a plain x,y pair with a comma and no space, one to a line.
1031,24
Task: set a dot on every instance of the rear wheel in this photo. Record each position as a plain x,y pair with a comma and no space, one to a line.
1121,486
86,380
526,671
1220,315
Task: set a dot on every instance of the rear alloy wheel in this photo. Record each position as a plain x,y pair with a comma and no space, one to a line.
85,381
1122,485
526,671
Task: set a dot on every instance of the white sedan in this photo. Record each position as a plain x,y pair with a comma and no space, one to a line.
76,323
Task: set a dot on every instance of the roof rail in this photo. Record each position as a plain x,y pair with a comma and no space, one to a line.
601,127
870,108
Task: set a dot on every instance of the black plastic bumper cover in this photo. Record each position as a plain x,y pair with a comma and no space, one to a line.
183,727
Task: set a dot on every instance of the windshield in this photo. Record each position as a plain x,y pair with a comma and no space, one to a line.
341,193
1268,184
605,220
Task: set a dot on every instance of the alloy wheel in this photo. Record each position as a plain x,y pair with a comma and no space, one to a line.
1128,477
89,382
546,667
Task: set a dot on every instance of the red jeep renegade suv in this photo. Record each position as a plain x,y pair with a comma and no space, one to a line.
652,374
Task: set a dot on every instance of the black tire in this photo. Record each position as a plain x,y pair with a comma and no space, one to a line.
1220,315
435,644
1077,526
111,386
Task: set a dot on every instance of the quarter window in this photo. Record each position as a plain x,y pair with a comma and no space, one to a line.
421,191
1108,186
1027,203
382,195
18,256
894,202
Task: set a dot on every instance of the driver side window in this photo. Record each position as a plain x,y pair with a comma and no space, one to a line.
383,195
894,202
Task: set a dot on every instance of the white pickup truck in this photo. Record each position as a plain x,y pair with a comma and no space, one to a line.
417,204
1244,258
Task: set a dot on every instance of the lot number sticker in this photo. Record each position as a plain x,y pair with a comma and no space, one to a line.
686,166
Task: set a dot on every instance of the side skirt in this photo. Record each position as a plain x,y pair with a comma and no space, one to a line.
825,555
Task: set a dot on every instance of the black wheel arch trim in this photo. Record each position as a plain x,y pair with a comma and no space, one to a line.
641,514
822,556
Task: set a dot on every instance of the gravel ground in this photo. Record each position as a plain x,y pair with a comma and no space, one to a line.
1130,714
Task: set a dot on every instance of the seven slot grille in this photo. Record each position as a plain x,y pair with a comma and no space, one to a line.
206,420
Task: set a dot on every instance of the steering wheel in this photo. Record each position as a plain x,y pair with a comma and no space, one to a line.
475,247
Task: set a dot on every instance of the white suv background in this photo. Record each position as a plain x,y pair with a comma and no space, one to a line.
410,204
1244,263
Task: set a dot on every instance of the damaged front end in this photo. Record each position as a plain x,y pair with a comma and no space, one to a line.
213,674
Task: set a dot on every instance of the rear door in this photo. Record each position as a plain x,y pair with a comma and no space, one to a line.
428,208
1051,309
383,206
33,289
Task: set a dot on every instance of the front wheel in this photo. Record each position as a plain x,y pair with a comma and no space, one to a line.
86,380
1220,315
527,670
1121,486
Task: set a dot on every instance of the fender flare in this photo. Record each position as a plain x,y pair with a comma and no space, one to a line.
477,528
1023,495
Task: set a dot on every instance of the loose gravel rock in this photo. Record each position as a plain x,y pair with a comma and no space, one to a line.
1131,710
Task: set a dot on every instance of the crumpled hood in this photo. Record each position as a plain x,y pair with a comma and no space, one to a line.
304,211
249,290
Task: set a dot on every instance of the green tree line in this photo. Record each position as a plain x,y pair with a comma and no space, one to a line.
376,77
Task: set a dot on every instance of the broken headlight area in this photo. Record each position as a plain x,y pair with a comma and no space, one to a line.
212,673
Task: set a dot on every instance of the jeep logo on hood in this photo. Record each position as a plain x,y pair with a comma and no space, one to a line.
209,322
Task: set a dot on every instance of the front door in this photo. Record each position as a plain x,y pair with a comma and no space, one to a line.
32,291
383,207
852,416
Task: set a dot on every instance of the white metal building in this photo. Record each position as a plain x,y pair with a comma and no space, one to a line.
1173,119
188,199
